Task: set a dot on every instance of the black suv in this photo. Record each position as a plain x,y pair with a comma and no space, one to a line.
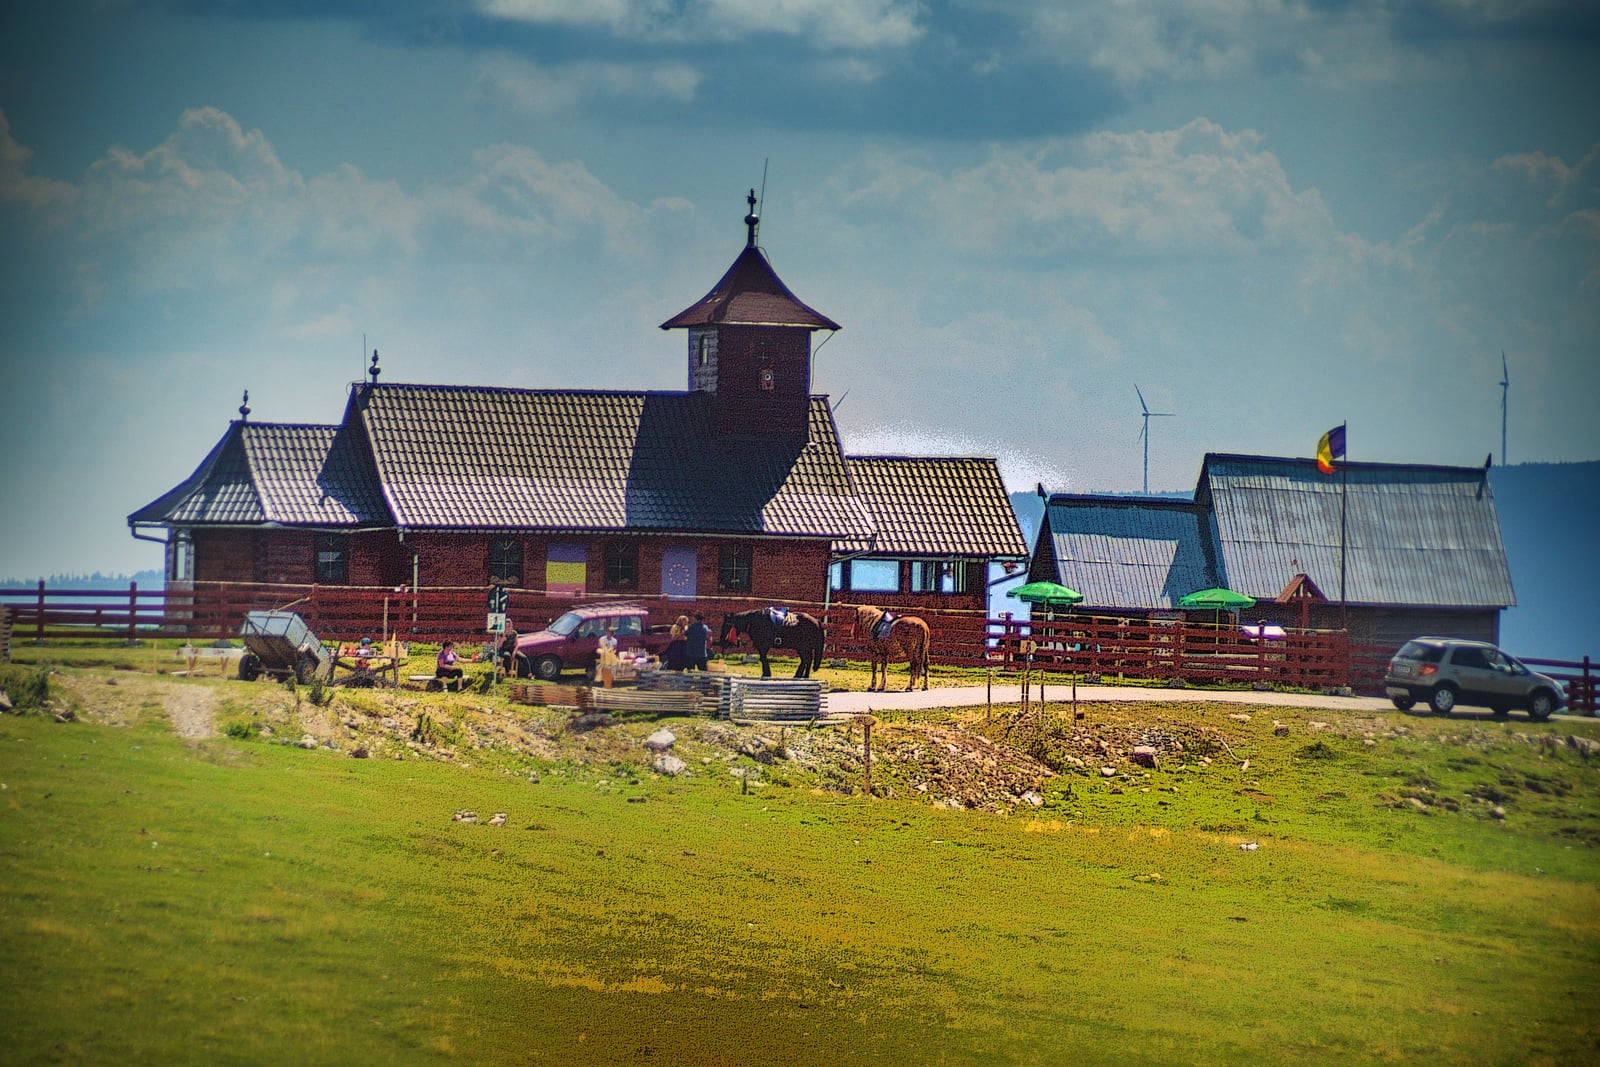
1446,671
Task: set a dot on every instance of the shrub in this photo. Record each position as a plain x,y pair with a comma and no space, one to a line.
28,689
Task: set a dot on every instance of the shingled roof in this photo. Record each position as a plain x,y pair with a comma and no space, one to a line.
1415,535
1124,552
750,294
491,458
279,473
940,506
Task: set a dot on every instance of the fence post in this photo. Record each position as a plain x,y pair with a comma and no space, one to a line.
133,609
1588,686
38,619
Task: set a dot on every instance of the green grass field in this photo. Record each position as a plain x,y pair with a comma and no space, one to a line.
239,901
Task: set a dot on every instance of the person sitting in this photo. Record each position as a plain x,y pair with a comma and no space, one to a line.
445,669
364,652
515,664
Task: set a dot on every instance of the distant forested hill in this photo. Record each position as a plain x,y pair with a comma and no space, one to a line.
1550,519
92,580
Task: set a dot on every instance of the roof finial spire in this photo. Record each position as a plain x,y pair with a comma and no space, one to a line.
751,220
374,370
244,408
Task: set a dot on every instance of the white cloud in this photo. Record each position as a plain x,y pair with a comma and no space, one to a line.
543,90
1136,42
1194,191
16,184
845,24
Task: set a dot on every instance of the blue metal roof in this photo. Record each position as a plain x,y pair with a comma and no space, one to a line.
1414,535
1127,552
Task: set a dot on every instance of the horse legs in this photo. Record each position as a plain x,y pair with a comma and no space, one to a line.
766,668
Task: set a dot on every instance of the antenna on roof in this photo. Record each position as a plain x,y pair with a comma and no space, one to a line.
374,370
761,198
1144,433
244,407
1505,393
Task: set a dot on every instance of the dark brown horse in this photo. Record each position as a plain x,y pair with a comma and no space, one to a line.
800,632
906,637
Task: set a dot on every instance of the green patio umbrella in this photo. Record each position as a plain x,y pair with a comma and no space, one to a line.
1049,594
1219,599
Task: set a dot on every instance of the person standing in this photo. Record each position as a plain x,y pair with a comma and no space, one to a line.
697,643
675,657
607,663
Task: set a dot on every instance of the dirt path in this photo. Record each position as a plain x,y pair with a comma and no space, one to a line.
193,710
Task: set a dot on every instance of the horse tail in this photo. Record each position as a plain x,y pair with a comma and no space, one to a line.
816,656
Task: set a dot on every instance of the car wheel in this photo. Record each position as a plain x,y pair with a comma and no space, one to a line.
1540,705
1403,703
249,667
547,668
1442,700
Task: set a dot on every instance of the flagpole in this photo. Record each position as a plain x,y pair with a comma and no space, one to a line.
1344,485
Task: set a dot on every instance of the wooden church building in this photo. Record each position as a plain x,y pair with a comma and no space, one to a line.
735,487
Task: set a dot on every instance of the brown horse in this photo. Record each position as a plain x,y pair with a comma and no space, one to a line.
907,638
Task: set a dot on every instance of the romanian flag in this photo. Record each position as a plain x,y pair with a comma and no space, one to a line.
1330,448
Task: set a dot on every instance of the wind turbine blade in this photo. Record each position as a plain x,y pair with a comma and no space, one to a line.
1142,405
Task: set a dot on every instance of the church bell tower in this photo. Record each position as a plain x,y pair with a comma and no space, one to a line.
750,346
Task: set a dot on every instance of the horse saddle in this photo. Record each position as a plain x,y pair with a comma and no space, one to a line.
880,632
781,617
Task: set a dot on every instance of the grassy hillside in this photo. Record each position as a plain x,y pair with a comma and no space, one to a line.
244,900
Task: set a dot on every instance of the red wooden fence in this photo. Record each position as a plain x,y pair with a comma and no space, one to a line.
1147,649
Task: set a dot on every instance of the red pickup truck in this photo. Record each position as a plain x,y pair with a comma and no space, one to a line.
572,642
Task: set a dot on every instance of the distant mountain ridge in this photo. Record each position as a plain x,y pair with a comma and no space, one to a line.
1550,522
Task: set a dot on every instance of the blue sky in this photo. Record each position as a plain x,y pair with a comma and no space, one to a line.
1272,217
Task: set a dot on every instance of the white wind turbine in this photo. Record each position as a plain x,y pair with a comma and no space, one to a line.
1144,432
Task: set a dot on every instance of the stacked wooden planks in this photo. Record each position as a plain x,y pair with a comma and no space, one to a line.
716,690
776,700
620,701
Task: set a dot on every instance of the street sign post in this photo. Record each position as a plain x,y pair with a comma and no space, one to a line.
499,598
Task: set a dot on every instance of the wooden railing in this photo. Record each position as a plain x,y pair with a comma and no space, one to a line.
1137,649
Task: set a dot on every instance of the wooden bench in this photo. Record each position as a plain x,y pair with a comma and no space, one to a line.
433,682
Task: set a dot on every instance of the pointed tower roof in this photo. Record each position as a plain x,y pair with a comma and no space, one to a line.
750,294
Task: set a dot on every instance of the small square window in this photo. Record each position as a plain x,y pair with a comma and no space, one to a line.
622,565
333,558
505,561
733,568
